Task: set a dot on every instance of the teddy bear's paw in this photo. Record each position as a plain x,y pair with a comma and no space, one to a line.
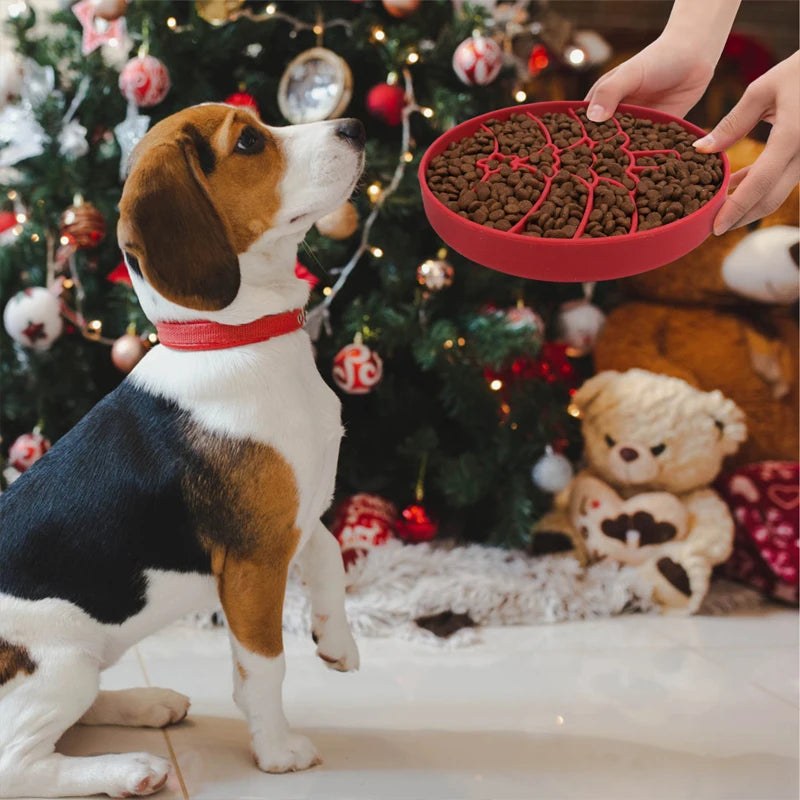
676,575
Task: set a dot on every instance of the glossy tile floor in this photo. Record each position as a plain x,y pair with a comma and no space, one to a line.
635,707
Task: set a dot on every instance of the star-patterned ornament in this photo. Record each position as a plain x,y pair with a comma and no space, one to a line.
34,331
129,133
96,30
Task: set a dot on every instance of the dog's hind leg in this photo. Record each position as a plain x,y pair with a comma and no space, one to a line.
320,563
37,705
139,708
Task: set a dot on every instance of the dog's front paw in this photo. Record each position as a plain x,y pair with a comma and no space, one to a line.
296,752
335,645
143,774
157,708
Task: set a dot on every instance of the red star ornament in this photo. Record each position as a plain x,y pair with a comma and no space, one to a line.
96,31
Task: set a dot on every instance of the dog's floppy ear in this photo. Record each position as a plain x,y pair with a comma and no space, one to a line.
170,226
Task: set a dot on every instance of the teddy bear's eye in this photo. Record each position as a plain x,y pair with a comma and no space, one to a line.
658,449
609,441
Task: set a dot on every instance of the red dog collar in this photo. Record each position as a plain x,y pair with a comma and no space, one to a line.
202,334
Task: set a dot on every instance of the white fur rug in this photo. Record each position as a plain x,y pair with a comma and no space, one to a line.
398,583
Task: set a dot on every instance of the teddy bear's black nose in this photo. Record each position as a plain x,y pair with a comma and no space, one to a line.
628,454
352,131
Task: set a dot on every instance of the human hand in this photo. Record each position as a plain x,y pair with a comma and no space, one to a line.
669,75
764,185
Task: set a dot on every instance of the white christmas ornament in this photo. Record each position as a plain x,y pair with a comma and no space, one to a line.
32,317
579,325
477,60
552,472
11,76
129,133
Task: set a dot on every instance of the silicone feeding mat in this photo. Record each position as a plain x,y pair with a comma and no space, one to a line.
539,191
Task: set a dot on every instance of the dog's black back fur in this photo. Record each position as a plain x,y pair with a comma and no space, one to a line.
103,505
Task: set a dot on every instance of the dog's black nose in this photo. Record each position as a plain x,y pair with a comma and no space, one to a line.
628,454
352,131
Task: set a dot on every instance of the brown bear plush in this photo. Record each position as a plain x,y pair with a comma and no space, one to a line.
723,317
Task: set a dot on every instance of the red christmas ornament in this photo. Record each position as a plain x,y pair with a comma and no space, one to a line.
357,369
243,99
27,450
538,59
144,80
362,523
401,8
477,60
416,525
386,103
301,272
8,219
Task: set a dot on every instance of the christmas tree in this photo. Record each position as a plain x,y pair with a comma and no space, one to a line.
474,385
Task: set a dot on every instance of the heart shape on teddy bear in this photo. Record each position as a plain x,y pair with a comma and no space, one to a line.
642,523
632,530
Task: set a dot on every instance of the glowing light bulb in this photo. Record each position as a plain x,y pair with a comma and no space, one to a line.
496,385
172,23
408,157
64,240
461,341
21,217
379,35
95,326
576,56
34,237
318,29
327,290
152,338
12,195
376,251
374,191
412,57
520,96
448,343
427,112
270,9
68,283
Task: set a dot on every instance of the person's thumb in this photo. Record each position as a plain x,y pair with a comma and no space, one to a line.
610,90
735,125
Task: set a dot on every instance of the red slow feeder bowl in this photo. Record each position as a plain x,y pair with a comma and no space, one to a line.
567,260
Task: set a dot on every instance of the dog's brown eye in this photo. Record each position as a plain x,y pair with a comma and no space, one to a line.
250,141
658,449
609,441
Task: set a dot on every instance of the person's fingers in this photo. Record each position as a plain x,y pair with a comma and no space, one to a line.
612,88
769,171
738,177
735,125
773,201
602,78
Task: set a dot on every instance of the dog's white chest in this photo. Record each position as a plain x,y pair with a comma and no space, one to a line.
270,393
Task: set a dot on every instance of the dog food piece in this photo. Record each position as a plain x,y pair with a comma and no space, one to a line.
539,177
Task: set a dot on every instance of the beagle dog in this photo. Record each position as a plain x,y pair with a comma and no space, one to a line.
202,477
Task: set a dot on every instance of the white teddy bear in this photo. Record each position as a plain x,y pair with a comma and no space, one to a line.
654,444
